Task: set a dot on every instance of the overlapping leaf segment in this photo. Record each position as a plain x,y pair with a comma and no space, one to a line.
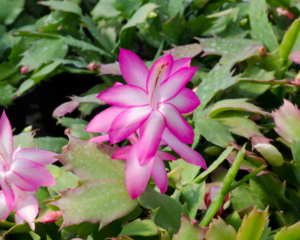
24,169
151,105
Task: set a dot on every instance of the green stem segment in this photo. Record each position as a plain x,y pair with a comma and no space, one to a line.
218,200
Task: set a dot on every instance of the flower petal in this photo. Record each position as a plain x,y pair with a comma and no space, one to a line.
160,70
13,178
65,108
4,208
124,96
177,124
176,82
150,137
102,138
185,152
136,176
7,191
15,151
133,139
28,209
159,174
181,63
165,156
133,69
102,121
40,156
127,122
121,153
32,172
6,138
186,101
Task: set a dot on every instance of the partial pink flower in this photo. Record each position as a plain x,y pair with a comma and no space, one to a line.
210,195
295,57
136,175
153,102
24,69
281,11
23,168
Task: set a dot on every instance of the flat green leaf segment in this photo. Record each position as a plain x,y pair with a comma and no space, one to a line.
252,225
219,230
221,46
219,78
188,230
140,227
52,144
166,210
214,131
101,201
10,9
44,50
261,29
25,139
290,233
235,104
91,161
66,6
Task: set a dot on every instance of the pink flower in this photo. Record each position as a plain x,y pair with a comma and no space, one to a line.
136,175
152,102
25,170
52,216
210,195
281,11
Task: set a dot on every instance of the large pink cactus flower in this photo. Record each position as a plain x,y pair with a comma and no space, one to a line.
153,102
23,168
136,175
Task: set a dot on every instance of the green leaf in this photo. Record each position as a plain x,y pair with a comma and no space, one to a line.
221,46
240,197
6,92
21,231
290,233
218,230
91,161
238,123
188,173
42,73
252,225
235,104
101,40
83,229
64,181
140,227
214,165
289,40
10,9
166,210
25,139
239,56
26,85
52,144
44,50
77,130
261,29
67,122
234,220
41,195
84,45
104,9
214,131
189,230
266,191
173,29
100,201
193,195
140,15
219,78
126,8
296,156
185,51
65,6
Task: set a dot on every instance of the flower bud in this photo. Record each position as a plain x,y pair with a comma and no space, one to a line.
270,153
27,129
152,15
243,22
213,151
93,66
24,69
262,52
52,217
